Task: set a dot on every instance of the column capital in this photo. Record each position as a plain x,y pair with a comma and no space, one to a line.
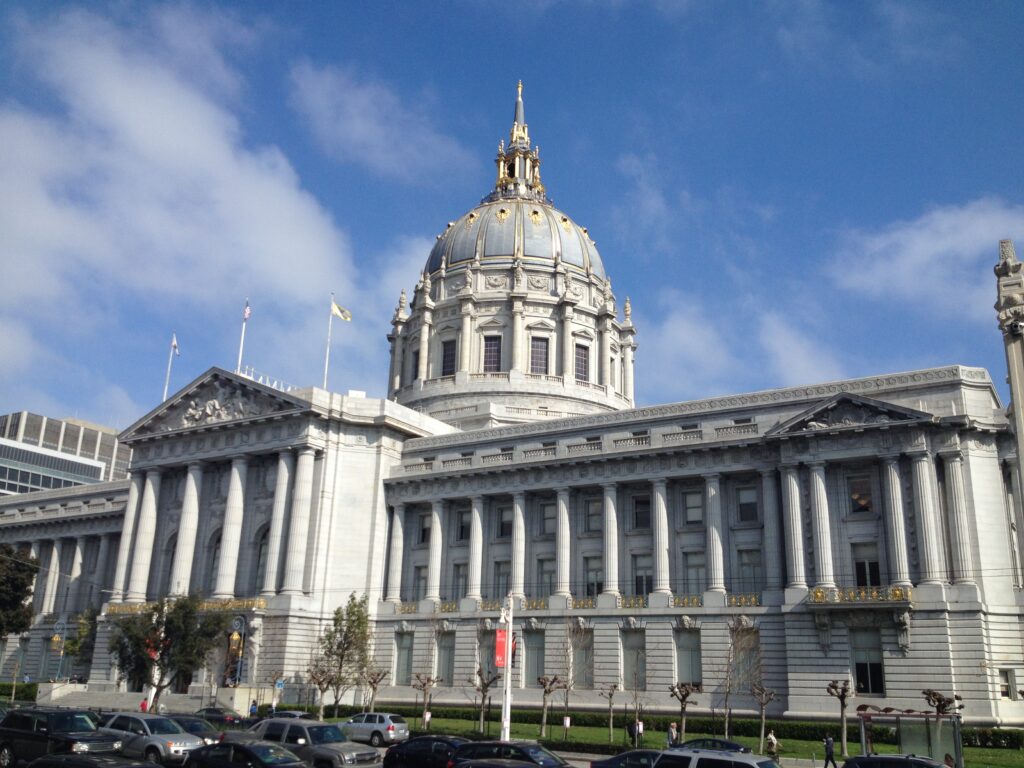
195,464
519,497
919,454
816,464
477,499
437,505
562,489
399,507
889,459
952,456
1012,461
765,471
610,487
239,461
305,450
659,482
709,476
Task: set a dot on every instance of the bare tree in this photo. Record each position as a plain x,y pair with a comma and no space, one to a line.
741,664
576,637
682,692
841,691
548,685
373,678
425,684
321,672
608,692
482,682
763,696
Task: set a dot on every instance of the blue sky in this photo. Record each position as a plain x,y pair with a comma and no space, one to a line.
789,192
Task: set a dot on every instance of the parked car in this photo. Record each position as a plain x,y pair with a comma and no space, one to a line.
711,758
634,758
498,762
423,752
527,751
85,761
891,761
154,738
377,728
219,715
722,745
253,754
26,734
197,727
322,745
295,714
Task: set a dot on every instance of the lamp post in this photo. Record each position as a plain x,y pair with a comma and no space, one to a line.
506,701
57,643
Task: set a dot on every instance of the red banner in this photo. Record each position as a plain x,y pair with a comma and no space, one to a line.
499,648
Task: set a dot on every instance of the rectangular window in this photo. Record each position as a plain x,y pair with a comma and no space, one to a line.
593,511
865,564
424,529
694,573
593,571
545,577
403,658
634,660
751,579
641,511
446,659
492,354
448,350
746,501
415,365
866,659
485,649
583,659
539,355
502,578
548,516
688,663
504,522
460,580
1007,684
859,488
462,525
419,582
534,646
693,503
643,574
582,362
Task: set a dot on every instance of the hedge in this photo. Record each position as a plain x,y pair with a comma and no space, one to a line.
23,692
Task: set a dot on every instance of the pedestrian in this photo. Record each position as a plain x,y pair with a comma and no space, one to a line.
772,746
673,735
253,709
830,751
143,706
631,731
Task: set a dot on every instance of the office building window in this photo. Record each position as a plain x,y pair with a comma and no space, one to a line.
548,517
746,501
865,564
751,578
460,580
859,487
446,659
463,522
688,663
634,659
545,577
593,573
539,355
866,659
593,512
534,647
583,658
504,522
403,658
502,578
448,350
694,573
643,574
424,529
492,354
419,582
693,504
641,511
582,362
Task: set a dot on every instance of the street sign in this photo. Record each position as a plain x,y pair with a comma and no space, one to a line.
499,648
279,684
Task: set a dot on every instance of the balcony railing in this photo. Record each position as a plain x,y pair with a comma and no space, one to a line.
423,466
448,606
535,604
633,601
490,605
637,441
589,447
408,607
497,458
870,595
687,601
539,453
465,461
686,436
743,599
736,429
584,602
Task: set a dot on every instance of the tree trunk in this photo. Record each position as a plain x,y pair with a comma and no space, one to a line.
682,725
565,714
842,726
373,698
544,717
760,743
726,715
320,706
423,718
483,709
611,720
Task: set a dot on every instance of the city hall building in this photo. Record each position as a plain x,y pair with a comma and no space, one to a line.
867,529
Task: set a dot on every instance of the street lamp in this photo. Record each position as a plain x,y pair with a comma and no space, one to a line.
506,701
57,643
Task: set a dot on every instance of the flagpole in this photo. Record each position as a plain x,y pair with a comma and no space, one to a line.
170,359
330,325
241,342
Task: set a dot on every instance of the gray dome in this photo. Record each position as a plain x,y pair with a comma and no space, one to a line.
497,231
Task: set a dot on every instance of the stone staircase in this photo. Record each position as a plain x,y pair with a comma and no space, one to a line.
73,695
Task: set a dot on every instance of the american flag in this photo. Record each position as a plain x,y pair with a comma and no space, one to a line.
247,312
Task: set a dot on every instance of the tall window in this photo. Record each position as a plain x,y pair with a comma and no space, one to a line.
414,365
582,362
746,500
693,503
593,571
448,350
492,354
548,516
859,488
583,659
641,511
538,355
593,511
446,658
502,578
463,524
634,660
751,579
403,658
460,580
424,529
694,573
485,649
865,564
534,646
643,574
213,562
545,576
688,663
262,544
866,658
419,582
504,522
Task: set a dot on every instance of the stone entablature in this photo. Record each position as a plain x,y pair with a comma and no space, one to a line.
79,511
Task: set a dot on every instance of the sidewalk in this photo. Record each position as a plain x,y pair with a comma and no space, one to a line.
582,760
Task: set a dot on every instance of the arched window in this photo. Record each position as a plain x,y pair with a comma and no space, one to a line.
261,543
213,560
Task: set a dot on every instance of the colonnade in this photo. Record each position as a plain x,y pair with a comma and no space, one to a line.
293,493
81,589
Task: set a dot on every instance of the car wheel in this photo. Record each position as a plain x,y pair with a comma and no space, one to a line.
7,758
152,756
376,739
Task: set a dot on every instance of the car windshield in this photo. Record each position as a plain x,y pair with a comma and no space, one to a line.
163,725
767,764
325,734
271,754
397,719
541,756
71,722
195,726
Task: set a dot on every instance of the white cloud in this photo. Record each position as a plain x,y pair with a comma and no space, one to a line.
937,263
359,120
791,356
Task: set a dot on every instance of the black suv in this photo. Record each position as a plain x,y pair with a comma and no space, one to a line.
891,761
26,734
527,751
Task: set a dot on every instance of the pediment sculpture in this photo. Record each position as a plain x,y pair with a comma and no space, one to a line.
213,402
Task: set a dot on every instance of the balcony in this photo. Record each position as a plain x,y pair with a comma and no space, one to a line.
448,606
593,446
743,599
460,463
637,441
584,602
686,436
687,601
633,601
534,604
736,430
408,607
892,596
497,458
539,453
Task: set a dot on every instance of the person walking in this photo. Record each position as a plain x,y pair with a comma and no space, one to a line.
253,709
830,751
772,746
673,735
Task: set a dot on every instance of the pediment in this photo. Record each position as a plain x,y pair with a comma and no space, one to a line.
216,397
494,322
540,325
846,411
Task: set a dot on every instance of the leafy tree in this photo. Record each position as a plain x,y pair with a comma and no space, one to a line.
17,571
80,646
346,645
841,692
682,692
608,692
168,638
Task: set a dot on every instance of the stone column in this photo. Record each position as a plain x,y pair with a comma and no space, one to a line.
436,547
476,547
394,594
52,578
465,337
627,374
517,336
188,528
772,555
74,587
715,557
33,552
399,362
275,537
131,514
298,527
99,582
661,538
960,527
144,538
562,545
925,504
796,576
518,545
824,574
606,353
611,540
895,527
425,324
231,533
568,346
